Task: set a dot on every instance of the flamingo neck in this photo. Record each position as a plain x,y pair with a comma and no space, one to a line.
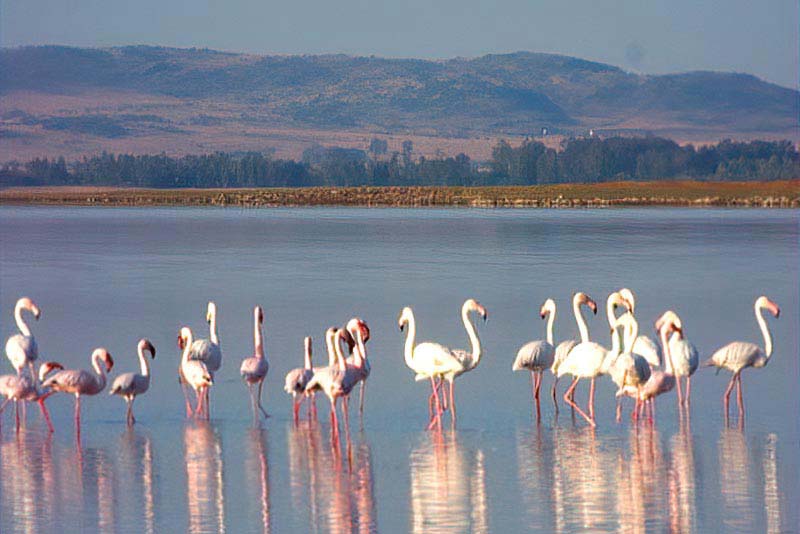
258,338
143,363
584,330
360,350
307,357
101,373
612,355
21,324
473,336
187,348
331,351
762,323
340,361
667,352
408,353
550,320
612,318
212,328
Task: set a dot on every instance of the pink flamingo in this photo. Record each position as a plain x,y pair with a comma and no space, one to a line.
297,379
21,349
739,355
255,368
194,372
23,388
81,382
359,331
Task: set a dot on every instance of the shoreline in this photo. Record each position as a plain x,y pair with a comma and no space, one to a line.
684,193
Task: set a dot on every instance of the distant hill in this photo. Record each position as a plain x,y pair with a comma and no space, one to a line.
61,100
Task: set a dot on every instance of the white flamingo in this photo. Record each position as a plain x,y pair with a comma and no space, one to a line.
297,379
537,356
22,388
21,349
255,368
626,368
81,382
130,385
739,355
193,372
359,331
207,351
643,345
431,360
684,355
563,349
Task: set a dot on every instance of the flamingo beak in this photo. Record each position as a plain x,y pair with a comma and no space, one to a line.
401,325
774,309
109,363
54,365
592,306
180,342
152,349
484,314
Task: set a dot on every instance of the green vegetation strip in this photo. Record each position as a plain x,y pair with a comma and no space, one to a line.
784,193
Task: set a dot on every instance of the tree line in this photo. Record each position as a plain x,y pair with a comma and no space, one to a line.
584,160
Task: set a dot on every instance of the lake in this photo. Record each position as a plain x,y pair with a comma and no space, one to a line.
107,277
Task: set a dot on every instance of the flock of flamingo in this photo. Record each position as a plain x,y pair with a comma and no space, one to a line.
639,366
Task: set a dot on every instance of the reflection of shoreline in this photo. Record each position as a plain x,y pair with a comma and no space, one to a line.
448,486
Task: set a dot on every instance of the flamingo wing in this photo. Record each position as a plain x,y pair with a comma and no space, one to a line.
735,356
648,349
534,356
73,381
21,350
562,351
207,352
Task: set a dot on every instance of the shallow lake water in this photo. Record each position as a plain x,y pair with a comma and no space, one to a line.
106,277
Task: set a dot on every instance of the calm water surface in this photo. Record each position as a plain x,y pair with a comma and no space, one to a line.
110,276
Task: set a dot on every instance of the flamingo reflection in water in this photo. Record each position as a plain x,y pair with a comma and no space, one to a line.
642,482
204,483
137,478
681,480
337,489
535,474
448,486
257,469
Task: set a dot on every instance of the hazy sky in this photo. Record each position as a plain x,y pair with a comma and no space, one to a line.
651,36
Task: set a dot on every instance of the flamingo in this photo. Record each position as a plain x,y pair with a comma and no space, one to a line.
431,360
642,345
335,380
585,360
81,382
536,356
297,379
130,385
563,349
194,372
21,349
255,368
738,355
207,351
684,355
359,331
626,368
22,388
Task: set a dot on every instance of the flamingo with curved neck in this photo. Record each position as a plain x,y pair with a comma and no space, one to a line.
21,348
130,385
359,331
739,355
626,368
684,355
81,382
642,345
434,361
22,388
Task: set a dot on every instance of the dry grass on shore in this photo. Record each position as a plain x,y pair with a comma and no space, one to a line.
784,193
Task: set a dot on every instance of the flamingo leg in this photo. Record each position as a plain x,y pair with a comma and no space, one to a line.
78,416
189,410
198,411
688,390
727,395
452,404
296,409
361,394
260,387
16,413
680,392
571,402
538,384
438,416
591,398
46,415
346,410
570,391
555,402
739,400
533,384
619,409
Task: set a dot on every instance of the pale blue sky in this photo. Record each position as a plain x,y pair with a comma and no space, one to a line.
651,36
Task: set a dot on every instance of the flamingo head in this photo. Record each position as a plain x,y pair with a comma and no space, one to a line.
27,304
668,315
474,305
103,354
764,302
356,327
582,298
145,344
405,316
669,325
616,299
347,337
211,312
48,367
549,306
630,300
184,334
259,314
